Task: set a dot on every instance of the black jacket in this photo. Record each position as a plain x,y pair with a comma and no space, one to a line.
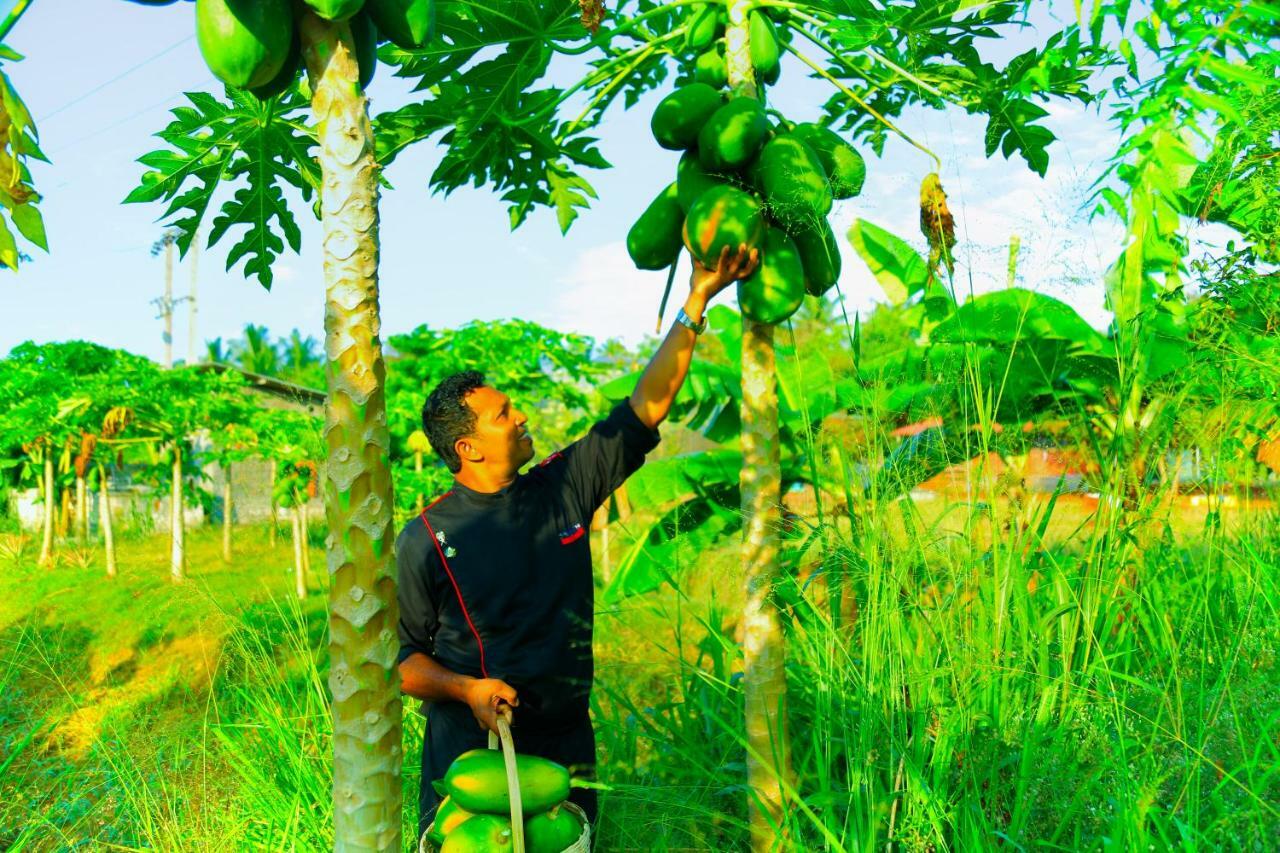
500,585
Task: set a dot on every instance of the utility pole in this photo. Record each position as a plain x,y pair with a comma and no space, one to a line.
192,310
166,303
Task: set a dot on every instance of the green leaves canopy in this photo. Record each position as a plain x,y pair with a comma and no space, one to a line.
19,142
261,146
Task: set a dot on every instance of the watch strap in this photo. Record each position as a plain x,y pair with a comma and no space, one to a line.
685,320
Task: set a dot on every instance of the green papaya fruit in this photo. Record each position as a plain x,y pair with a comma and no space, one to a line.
284,78
723,216
448,816
710,67
409,24
820,255
244,42
793,182
477,781
654,240
365,36
766,56
841,161
483,833
552,831
733,135
704,27
335,10
693,179
775,290
680,116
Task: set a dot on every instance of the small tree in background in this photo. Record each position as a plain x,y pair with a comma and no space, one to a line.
550,372
295,444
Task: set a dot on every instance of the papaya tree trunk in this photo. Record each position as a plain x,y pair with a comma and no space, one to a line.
177,529
82,510
305,529
764,681
299,568
274,533
46,544
104,521
226,513
64,514
363,612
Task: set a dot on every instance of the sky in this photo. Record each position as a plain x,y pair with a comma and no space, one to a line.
100,88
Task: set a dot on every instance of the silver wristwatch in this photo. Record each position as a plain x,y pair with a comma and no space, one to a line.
685,320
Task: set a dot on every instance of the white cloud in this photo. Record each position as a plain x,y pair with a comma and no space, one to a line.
605,296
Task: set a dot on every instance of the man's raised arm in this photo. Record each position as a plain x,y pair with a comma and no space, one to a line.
666,371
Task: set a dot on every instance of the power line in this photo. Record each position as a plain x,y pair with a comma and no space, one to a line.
120,76
125,120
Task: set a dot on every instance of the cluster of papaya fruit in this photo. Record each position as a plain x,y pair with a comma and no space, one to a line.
254,44
747,175
475,815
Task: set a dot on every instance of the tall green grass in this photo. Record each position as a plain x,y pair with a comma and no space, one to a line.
992,682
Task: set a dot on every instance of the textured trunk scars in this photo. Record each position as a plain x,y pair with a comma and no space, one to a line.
177,525
299,566
764,679
226,513
357,476
46,543
104,510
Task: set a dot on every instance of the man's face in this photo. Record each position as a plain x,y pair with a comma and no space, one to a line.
499,439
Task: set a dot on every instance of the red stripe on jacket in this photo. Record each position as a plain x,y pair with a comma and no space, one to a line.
466,615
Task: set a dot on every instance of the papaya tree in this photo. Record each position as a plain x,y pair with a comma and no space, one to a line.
922,54
234,440
294,443
24,431
173,407
509,136
48,420
258,134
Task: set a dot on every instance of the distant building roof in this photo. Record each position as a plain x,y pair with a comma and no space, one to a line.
306,397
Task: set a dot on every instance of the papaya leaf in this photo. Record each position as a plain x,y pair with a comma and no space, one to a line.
480,81
18,144
30,224
259,147
8,247
568,192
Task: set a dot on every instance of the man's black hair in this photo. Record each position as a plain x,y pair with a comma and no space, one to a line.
447,418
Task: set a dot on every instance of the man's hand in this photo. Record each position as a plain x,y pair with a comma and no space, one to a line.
706,283
484,695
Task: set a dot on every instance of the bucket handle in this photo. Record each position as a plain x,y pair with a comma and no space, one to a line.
513,777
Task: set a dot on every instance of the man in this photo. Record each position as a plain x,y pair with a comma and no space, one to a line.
495,580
